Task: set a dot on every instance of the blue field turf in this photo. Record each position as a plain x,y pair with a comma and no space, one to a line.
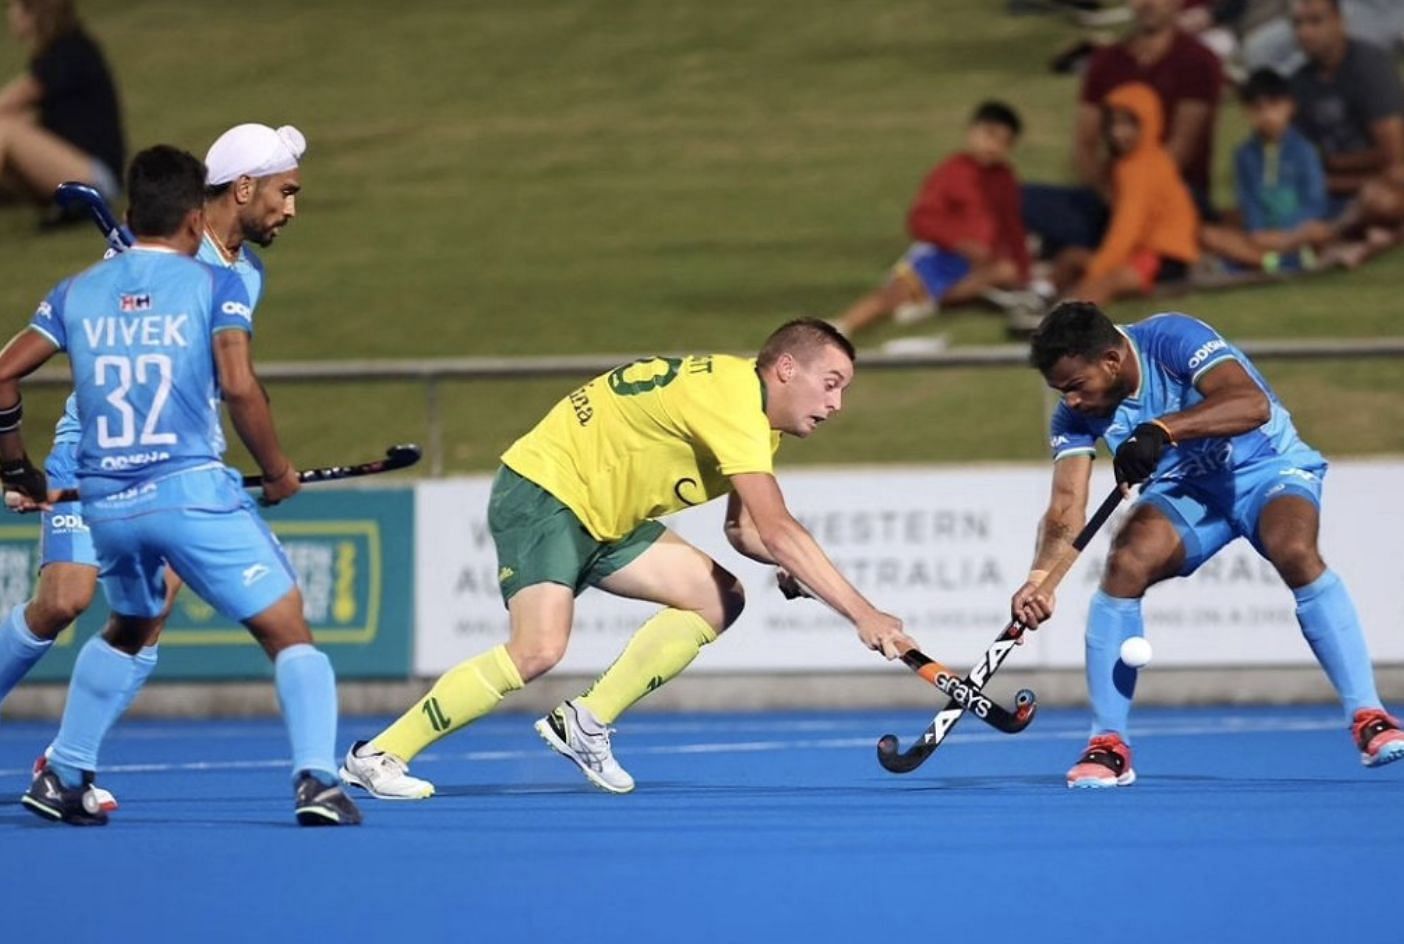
1247,825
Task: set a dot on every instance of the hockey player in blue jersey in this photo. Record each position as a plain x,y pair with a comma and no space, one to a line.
1186,415
253,179
154,340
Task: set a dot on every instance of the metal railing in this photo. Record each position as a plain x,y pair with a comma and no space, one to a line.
433,371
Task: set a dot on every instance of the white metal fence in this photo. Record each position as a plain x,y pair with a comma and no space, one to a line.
434,371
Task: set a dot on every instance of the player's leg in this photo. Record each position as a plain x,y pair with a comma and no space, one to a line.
102,674
232,561
700,600
1170,532
63,790
542,552
67,580
1287,530
540,617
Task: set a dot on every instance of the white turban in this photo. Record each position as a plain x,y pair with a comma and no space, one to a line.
253,150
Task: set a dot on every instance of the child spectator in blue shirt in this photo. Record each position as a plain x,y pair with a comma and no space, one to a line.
1280,185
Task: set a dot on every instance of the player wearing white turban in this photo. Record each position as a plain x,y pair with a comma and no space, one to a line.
252,181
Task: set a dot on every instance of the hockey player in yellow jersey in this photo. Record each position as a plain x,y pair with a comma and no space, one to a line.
575,504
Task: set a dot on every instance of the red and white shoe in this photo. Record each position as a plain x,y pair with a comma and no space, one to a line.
106,801
1378,737
1105,763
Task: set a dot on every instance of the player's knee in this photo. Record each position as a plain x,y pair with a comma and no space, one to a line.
732,602
1129,573
1298,562
537,656
57,606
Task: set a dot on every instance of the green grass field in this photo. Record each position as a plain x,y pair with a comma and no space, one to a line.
622,176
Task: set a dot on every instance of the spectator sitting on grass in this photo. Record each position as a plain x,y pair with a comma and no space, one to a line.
965,220
59,119
1279,183
1152,234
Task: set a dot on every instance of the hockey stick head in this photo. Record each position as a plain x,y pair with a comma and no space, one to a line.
73,194
897,761
400,456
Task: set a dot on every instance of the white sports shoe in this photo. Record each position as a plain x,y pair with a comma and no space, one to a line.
106,801
574,732
382,775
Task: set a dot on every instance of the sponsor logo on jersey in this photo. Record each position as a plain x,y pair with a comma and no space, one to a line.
140,302
238,309
45,310
67,523
1209,347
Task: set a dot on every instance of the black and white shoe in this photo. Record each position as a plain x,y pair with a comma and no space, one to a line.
321,804
48,798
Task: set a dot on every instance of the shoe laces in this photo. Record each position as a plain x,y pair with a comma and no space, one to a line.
1108,750
595,745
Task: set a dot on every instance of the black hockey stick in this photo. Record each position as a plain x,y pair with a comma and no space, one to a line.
74,194
984,707
396,457
967,690
971,698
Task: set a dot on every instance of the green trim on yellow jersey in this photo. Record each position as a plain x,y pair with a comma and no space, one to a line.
650,438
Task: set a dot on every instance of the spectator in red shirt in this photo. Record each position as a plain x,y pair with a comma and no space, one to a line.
969,237
1186,77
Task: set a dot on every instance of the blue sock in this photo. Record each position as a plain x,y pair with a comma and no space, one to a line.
101,678
1111,682
1332,628
19,649
145,665
307,694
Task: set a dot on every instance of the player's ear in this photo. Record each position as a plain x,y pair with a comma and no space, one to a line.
244,188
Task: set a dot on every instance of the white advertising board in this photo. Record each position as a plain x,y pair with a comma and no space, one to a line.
942,547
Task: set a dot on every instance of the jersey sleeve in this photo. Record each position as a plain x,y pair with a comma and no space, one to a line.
723,412
229,306
48,317
1188,348
1069,436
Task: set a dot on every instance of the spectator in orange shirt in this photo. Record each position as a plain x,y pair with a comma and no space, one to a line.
1152,234
969,237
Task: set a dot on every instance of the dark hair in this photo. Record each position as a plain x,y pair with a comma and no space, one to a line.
1264,85
52,19
800,338
163,185
997,113
1072,329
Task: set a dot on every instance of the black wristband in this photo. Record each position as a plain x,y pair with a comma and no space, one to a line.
10,417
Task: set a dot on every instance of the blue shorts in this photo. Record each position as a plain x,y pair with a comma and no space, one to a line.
63,535
206,526
935,268
1210,511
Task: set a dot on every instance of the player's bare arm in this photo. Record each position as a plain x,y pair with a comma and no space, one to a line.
1067,511
26,352
251,415
1233,404
786,542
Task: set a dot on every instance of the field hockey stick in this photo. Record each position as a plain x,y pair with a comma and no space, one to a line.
396,457
74,194
965,692
985,708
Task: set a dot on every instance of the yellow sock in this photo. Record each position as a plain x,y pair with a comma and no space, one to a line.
464,693
662,648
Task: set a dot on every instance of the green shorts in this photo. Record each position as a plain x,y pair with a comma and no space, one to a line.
540,540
